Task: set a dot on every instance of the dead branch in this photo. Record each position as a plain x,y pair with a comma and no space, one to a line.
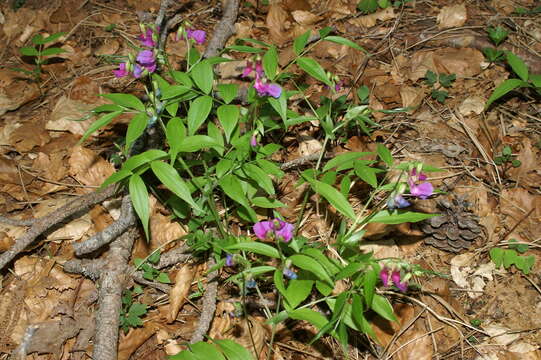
209,304
127,219
112,282
173,257
224,29
17,222
43,224
88,268
164,5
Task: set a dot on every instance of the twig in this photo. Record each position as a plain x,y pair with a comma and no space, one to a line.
224,29
43,224
161,13
17,222
127,219
209,304
86,267
176,256
111,284
303,160
138,277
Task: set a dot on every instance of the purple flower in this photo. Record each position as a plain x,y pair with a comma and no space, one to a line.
253,140
137,71
395,277
248,69
250,284
229,260
290,274
146,39
264,89
146,59
197,35
278,228
259,69
384,276
421,190
338,85
122,70
397,202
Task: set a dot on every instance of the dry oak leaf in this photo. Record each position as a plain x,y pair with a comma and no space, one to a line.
452,16
66,115
179,292
88,168
15,90
529,171
305,17
472,105
464,62
368,21
277,21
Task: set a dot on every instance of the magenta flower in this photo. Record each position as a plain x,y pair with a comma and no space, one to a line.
248,69
395,277
263,88
338,86
280,229
253,140
146,39
384,276
421,190
122,70
196,35
147,60
259,69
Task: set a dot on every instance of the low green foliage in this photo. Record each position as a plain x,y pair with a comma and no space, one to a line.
509,257
149,272
131,312
371,6
218,350
444,81
507,157
497,34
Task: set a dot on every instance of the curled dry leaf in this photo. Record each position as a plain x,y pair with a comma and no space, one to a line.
472,105
66,115
305,17
464,62
276,22
129,343
529,171
248,332
368,21
411,96
15,91
452,16
308,145
179,292
89,168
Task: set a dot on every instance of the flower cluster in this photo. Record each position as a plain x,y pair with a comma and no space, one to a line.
275,228
145,61
418,188
198,36
393,276
261,84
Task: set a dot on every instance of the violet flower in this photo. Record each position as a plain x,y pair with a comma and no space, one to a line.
146,38
196,35
248,69
229,260
137,71
253,140
122,70
396,201
259,69
395,277
384,276
147,60
421,190
277,228
290,274
263,88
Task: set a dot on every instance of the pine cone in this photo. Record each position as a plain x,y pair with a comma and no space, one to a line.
457,227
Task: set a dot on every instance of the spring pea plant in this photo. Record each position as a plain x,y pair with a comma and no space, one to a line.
215,164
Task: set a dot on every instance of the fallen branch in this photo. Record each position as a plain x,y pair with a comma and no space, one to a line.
43,224
224,29
126,219
17,222
209,304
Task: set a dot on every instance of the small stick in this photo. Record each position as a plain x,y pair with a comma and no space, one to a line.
209,304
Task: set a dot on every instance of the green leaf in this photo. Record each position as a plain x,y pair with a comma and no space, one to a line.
367,6
141,159
172,180
137,309
504,88
154,258
349,270
53,37
279,281
183,355
233,351
256,247
270,63
216,134
280,105
175,133
518,65
385,154
313,317
369,285
315,70
300,42
447,80
309,264
228,115
37,39
173,91
322,259
53,51
139,199
198,142
260,177
136,128
126,100
509,258
182,77
357,313
297,291
367,174
343,41
163,278
244,48
431,77
203,76
101,122
383,308
265,203
198,113
232,187
228,92
346,159
205,351
525,263
334,197
399,217
116,177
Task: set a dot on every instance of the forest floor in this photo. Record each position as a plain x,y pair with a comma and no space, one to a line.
475,310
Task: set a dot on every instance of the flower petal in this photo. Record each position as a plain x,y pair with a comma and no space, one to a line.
262,229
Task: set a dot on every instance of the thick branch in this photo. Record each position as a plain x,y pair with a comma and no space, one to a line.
127,219
43,224
224,29
112,282
209,304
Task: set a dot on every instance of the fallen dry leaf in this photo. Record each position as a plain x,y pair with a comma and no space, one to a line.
464,62
472,105
276,22
88,168
67,114
15,90
305,17
368,21
452,16
179,292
